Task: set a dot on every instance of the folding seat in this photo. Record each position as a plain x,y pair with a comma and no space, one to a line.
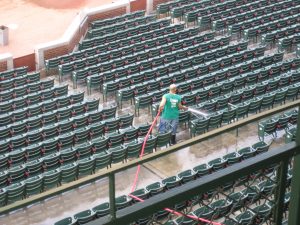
15,192
221,207
268,100
171,182
79,121
109,112
245,217
33,185
260,147
19,81
4,132
199,126
255,104
84,216
65,140
163,140
91,105
6,85
227,86
142,101
69,172
48,106
126,120
111,124
61,90
19,103
47,84
155,188
68,155
33,137
187,175
123,202
133,148
64,126
292,92
34,167
96,130
48,118
17,157
99,145
33,77
129,133
49,146
247,152
63,114
81,135
218,163
33,99
114,139
118,153
150,144
17,173
33,87
86,166
101,210
242,109
17,141
77,109
6,95
62,102
51,161
76,97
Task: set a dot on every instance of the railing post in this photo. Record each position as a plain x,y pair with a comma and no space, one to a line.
294,207
112,203
280,191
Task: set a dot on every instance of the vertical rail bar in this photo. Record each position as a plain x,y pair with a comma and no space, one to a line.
280,190
112,203
294,217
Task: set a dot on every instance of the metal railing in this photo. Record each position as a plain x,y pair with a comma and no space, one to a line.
171,197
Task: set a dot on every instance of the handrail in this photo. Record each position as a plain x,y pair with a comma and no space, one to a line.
146,158
205,184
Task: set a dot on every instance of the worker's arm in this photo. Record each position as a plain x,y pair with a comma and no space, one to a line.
162,104
180,106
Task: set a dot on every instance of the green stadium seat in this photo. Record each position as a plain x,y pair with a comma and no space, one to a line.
118,153
69,172
33,185
102,160
101,210
66,221
84,216
15,192
86,166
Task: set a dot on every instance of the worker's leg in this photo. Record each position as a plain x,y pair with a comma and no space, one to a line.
162,126
174,124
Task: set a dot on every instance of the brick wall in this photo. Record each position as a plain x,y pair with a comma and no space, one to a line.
156,2
108,14
137,5
3,66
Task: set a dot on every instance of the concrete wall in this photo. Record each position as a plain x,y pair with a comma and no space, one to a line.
75,32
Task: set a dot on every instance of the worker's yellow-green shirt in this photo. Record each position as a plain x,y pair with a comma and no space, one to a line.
171,108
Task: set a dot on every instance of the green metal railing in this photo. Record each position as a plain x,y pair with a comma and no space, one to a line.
150,206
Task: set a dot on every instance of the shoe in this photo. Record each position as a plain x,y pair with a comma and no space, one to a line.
173,139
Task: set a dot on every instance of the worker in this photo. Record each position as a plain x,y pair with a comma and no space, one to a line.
169,108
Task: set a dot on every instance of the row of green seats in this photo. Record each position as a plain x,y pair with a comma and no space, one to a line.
128,24
242,109
19,80
272,125
13,73
78,128
70,164
31,99
222,19
261,12
164,8
131,39
251,72
185,57
192,16
23,90
117,19
96,80
200,70
78,112
234,199
178,12
129,32
290,19
257,31
93,48
129,54
12,120
273,37
288,42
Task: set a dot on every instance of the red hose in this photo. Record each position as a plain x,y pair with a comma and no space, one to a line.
137,176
